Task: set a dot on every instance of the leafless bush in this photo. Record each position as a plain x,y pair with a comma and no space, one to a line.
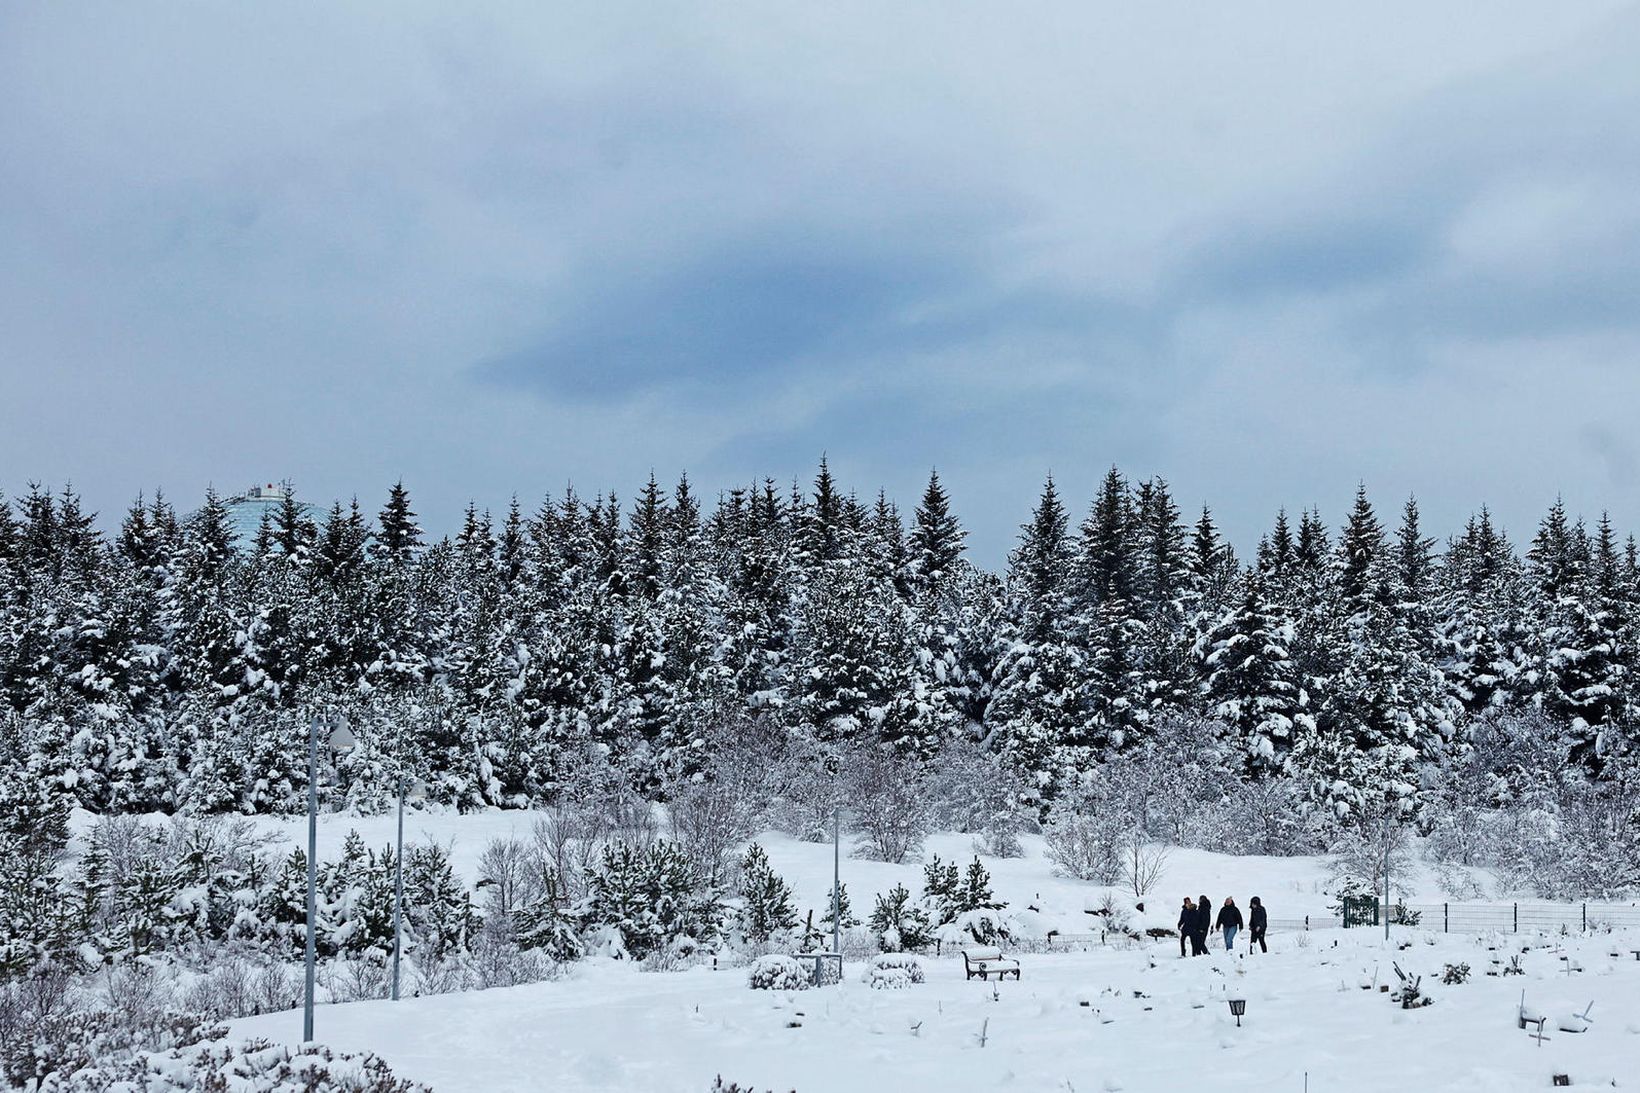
137,993
354,980
1088,845
888,803
974,790
436,975
509,876
1145,861
709,819
125,842
225,990
275,987
807,791
495,960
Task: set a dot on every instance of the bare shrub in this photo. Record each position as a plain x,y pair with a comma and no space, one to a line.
495,959
436,975
1144,862
508,876
709,820
275,987
357,980
227,989
1088,845
888,803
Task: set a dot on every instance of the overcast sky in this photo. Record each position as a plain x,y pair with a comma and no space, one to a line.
1265,250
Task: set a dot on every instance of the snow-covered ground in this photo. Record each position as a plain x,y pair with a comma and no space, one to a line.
1133,1018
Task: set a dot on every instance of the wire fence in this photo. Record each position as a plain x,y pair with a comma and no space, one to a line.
1453,918
1482,918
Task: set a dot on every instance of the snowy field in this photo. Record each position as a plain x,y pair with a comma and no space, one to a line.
1133,1017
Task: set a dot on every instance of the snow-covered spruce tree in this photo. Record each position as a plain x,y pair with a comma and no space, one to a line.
898,923
1481,630
1586,666
766,909
547,922
942,891
1105,588
651,899
845,913
1251,682
1039,702
854,659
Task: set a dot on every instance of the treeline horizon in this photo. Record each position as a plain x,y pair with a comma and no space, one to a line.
166,666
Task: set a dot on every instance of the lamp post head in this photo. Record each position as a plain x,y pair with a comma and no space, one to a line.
342,739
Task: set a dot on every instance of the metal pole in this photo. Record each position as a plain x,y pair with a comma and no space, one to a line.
1386,880
312,875
836,880
398,893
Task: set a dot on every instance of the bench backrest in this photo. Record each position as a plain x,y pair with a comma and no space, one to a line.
982,954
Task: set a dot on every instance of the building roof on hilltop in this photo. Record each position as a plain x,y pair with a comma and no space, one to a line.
246,510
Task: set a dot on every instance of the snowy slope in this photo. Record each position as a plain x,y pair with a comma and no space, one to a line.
609,1026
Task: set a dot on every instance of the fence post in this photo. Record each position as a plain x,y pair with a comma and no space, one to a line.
1517,918
1306,923
1585,918
1446,918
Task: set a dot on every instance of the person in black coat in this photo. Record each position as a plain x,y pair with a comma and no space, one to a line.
1257,922
1187,923
1229,921
1204,923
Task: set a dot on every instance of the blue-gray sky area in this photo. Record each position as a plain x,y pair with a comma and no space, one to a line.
1264,250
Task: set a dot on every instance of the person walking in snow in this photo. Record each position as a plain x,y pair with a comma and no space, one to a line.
1257,922
1187,923
1204,923
1229,922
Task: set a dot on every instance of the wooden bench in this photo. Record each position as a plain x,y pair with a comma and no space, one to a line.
983,963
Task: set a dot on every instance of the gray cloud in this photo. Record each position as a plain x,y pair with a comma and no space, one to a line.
1265,253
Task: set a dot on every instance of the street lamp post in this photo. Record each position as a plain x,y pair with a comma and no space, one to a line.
312,875
836,880
416,792
341,741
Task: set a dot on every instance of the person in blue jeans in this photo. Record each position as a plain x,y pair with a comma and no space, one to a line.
1229,921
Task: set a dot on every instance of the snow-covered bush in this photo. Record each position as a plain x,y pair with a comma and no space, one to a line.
254,1065
981,926
49,1025
1116,917
777,972
893,971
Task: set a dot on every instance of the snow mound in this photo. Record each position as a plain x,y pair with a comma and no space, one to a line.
893,971
777,972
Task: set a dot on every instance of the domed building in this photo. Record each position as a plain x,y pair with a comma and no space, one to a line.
246,511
